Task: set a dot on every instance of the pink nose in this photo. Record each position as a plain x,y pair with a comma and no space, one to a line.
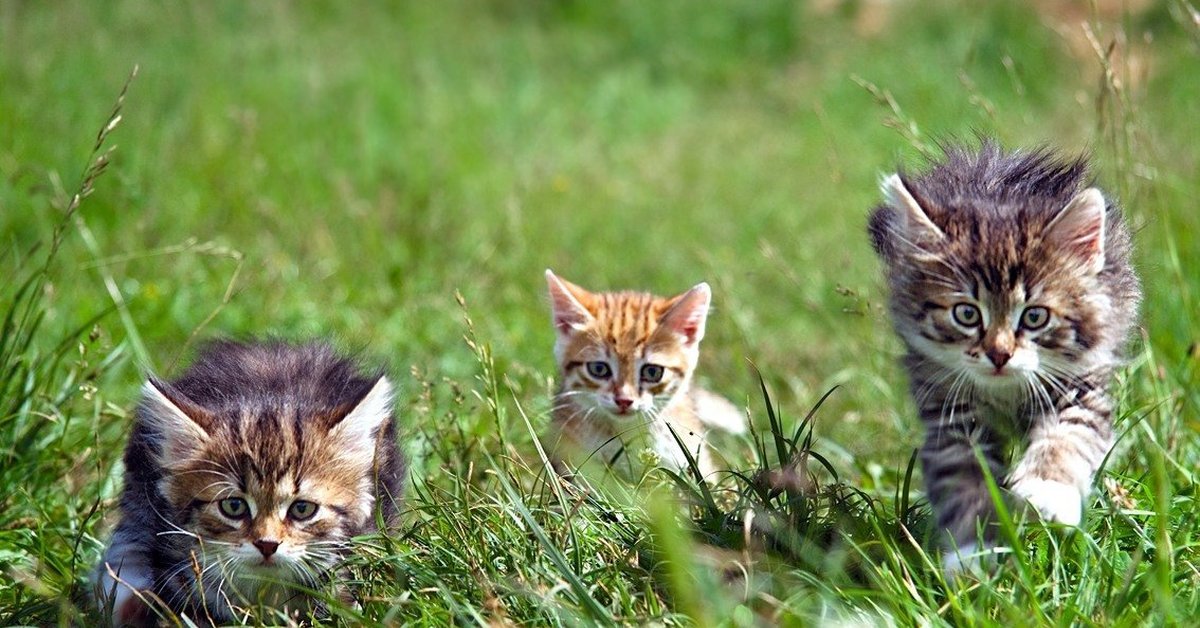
266,547
623,404
999,357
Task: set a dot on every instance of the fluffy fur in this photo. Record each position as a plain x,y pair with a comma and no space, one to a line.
253,469
625,362
1012,289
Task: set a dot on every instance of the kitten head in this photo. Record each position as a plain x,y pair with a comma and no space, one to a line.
268,485
1005,269
625,353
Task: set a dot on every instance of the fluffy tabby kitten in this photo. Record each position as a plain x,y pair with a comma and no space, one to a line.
625,371
245,479
1012,289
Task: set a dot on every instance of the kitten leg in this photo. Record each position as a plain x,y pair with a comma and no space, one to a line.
128,560
669,452
576,441
957,489
1065,450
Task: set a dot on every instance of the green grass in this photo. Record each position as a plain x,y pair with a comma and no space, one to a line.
345,170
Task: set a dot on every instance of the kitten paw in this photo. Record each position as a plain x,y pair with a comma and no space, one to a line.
968,560
122,595
1054,501
130,610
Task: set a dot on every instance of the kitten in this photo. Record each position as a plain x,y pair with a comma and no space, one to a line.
625,378
1012,289
253,469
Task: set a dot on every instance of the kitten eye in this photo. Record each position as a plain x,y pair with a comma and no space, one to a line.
234,507
301,510
652,373
599,370
1035,317
965,314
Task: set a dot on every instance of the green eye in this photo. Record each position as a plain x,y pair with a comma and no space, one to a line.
965,314
234,507
1035,317
652,373
599,370
301,510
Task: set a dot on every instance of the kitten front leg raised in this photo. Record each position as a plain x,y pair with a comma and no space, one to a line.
1065,450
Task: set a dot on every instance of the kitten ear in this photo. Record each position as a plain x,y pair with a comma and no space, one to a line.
1079,229
914,221
566,300
358,430
182,424
688,314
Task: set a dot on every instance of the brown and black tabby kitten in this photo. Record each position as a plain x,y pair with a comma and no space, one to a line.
1013,292
625,362
245,480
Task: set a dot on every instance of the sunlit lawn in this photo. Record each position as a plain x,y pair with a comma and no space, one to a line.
344,170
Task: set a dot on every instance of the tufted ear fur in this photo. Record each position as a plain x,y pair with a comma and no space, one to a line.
1079,229
567,304
914,222
689,313
356,434
183,425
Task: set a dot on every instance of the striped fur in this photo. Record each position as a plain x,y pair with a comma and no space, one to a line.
271,424
648,347
1012,289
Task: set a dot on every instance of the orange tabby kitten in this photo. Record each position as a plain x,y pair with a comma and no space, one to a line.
625,372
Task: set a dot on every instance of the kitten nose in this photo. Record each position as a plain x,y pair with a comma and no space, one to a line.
998,356
622,403
266,547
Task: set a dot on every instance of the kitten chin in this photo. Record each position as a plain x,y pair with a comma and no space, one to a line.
245,480
1011,286
626,361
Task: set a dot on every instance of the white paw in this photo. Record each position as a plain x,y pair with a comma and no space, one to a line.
129,609
1054,501
968,559
128,605
961,560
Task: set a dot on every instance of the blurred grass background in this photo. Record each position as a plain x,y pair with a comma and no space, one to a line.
342,169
